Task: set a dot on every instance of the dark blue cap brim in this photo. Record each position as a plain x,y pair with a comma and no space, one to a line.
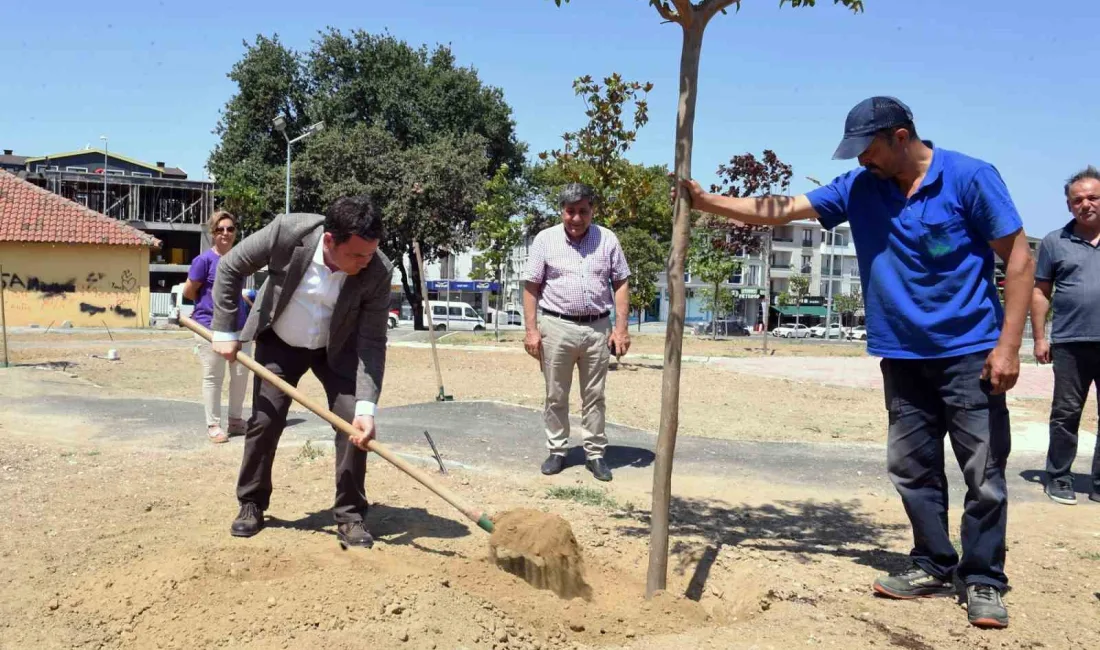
853,146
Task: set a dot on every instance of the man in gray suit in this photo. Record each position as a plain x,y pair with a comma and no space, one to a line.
324,307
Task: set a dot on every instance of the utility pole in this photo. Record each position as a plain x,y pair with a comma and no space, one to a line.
105,167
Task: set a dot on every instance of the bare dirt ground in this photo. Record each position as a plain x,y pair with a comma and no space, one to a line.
125,545
647,344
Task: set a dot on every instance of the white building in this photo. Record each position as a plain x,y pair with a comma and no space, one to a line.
798,248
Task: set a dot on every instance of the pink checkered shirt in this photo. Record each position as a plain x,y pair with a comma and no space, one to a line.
576,276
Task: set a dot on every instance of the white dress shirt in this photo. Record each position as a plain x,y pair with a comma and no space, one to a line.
307,318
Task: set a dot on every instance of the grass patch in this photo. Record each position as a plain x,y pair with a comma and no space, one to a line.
583,495
308,452
1091,555
94,452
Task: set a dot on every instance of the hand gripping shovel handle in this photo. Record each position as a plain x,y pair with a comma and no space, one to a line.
477,516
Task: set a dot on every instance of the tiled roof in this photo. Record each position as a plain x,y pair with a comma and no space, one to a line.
29,213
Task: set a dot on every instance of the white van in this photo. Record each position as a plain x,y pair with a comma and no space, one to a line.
455,316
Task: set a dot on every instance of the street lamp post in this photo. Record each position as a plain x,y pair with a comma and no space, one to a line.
280,125
104,139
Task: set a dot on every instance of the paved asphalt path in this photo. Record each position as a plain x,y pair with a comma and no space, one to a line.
480,435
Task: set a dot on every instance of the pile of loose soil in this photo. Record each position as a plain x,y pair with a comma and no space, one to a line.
540,548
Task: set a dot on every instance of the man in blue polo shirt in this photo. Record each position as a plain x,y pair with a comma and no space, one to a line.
926,223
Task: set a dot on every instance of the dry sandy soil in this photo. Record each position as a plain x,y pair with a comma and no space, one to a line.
127,546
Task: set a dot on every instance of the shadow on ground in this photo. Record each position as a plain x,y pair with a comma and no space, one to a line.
1082,483
801,528
388,525
616,456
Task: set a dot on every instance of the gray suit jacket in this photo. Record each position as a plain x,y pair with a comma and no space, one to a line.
357,333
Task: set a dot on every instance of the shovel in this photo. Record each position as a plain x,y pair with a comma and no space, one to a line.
538,547
477,516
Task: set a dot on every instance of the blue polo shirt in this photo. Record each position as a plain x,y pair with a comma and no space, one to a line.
925,262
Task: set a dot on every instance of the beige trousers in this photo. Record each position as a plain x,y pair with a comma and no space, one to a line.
213,377
566,345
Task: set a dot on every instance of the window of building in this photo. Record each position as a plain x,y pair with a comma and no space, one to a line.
752,276
141,174
77,169
807,237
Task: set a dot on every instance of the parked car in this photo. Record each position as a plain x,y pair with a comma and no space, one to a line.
792,331
507,316
394,317
455,316
835,331
725,327
857,333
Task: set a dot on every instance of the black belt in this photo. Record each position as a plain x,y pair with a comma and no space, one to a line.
589,318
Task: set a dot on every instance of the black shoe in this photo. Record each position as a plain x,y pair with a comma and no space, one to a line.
554,464
984,607
599,469
354,533
1060,490
249,521
913,582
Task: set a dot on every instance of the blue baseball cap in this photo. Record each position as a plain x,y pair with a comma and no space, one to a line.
868,118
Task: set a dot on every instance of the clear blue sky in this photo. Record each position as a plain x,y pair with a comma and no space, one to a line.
1005,80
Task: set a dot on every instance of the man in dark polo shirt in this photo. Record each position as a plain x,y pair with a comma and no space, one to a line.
1069,267
926,222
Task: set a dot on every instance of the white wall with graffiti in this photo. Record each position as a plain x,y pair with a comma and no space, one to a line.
85,284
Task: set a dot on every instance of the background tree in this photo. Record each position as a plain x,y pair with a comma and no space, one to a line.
713,260
408,125
249,157
692,17
745,176
849,303
498,230
632,198
646,260
799,288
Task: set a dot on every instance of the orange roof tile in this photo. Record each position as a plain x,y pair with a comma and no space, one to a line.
29,213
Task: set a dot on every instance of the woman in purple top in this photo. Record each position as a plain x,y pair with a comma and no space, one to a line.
199,287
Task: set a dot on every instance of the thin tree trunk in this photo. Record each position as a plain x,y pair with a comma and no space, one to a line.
500,302
767,286
674,335
410,282
714,314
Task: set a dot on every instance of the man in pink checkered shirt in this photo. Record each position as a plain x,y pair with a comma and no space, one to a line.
572,269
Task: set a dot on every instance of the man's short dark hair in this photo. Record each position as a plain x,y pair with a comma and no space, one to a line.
1086,173
574,192
353,215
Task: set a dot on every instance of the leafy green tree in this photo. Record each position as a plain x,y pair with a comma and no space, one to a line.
713,261
498,229
408,125
799,288
849,303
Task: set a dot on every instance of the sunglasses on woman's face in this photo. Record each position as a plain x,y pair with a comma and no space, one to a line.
226,229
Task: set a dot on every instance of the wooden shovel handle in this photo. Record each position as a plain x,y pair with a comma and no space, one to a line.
342,425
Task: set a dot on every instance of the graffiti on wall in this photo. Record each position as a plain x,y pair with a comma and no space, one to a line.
128,282
97,294
120,308
14,282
